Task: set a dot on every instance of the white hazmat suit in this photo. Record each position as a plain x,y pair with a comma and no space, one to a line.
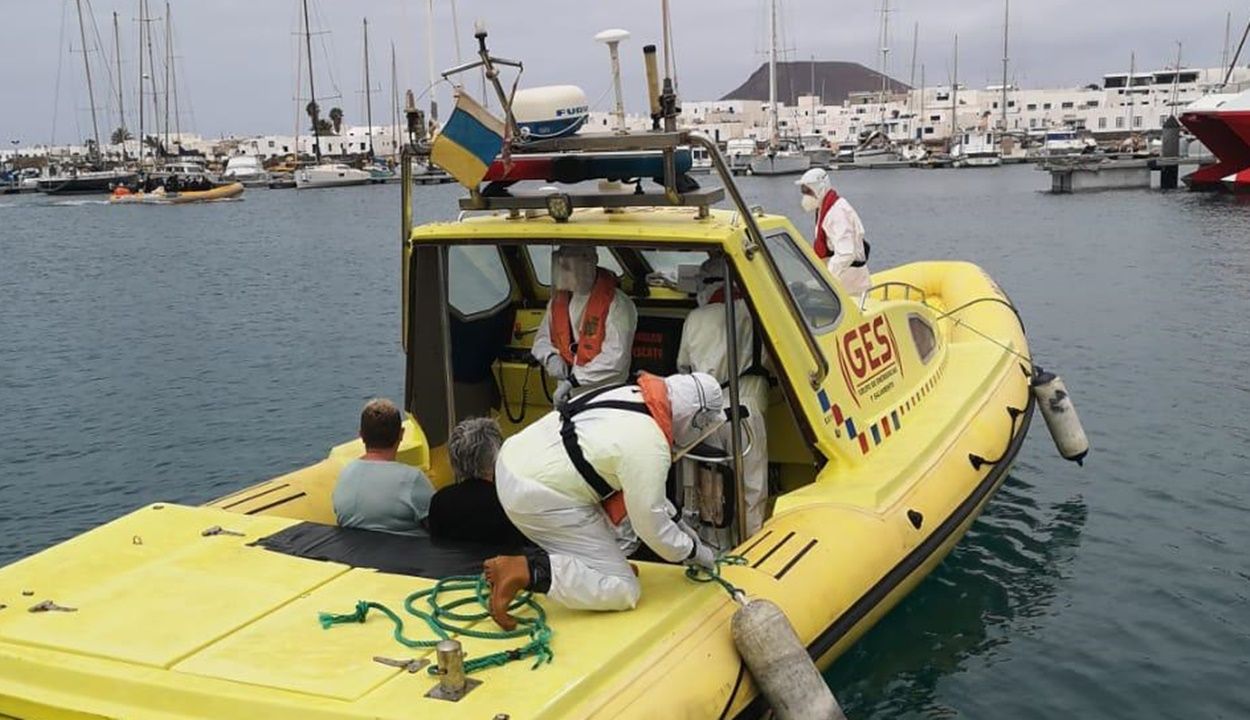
551,503
843,232
574,270
704,344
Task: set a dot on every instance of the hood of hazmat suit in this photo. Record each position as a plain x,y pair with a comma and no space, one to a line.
816,182
697,406
573,268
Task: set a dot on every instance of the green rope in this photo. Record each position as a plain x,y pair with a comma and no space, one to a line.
443,620
704,575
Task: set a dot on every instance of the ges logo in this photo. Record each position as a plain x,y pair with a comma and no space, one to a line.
868,351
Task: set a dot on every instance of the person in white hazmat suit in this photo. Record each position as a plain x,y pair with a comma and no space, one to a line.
839,237
586,337
704,348
565,480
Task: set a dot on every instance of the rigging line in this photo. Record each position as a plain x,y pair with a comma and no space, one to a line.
60,59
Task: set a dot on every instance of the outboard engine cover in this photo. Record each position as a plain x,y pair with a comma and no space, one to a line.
1060,414
550,112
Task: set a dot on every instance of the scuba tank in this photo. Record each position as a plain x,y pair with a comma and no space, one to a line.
1060,415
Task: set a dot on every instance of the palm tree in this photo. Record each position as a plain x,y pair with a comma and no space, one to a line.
120,135
314,113
336,117
324,127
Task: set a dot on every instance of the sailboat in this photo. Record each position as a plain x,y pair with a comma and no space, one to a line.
379,171
96,179
778,158
324,173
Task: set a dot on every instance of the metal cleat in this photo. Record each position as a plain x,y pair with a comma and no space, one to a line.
410,666
49,606
219,530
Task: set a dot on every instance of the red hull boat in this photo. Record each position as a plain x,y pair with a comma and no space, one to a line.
1222,123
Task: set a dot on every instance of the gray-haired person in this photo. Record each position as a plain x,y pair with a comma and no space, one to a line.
469,509
375,492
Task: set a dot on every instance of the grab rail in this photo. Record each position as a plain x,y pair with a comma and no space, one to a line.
907,291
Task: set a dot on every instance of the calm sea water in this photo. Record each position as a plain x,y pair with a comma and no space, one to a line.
176,353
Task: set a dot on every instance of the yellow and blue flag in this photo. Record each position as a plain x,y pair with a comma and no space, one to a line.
469,142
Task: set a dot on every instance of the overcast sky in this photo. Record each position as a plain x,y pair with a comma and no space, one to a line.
237,57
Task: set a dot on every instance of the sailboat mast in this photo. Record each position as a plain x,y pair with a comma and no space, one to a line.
885,49
1132,68
169,59
1006,25
156,109
394,104
121,103
429,58
772,74
86,64
915,44
139,48
1228,29
312,90
173,76
368,92
955,93
923,119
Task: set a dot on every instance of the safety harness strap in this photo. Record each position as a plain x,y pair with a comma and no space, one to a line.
568,434
867,252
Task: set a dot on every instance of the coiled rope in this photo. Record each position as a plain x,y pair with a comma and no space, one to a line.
444,617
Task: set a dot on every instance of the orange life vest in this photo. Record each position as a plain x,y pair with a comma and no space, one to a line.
593,325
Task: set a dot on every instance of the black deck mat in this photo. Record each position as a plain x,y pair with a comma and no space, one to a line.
399,554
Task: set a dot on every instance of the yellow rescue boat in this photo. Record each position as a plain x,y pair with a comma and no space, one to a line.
892,420
159,196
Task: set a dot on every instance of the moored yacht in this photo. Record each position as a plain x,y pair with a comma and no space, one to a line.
976,148
246,169
84,182
780,158
330,174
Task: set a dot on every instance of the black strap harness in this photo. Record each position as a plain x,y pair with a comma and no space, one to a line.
568,433
867,252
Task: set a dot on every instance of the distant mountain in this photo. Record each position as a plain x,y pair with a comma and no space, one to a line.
835,80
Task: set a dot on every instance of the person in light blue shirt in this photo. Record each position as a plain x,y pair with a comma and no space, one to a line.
375,492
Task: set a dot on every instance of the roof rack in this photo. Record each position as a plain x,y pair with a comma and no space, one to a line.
664,153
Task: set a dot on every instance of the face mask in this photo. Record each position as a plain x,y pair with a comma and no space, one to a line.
810,204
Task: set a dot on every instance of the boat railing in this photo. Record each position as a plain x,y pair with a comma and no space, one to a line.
907,290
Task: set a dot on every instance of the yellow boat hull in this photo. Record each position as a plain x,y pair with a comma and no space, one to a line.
221,192
169,622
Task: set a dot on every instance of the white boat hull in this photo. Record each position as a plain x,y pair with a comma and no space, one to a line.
980,161
324,176
780,164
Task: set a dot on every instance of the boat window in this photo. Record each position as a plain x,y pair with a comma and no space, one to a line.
540,262
479,282
924,337
813,297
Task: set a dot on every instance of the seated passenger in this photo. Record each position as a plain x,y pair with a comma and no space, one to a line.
375,492
587,334
704,348
469,509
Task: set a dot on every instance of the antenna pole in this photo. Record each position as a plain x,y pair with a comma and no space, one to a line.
86,63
